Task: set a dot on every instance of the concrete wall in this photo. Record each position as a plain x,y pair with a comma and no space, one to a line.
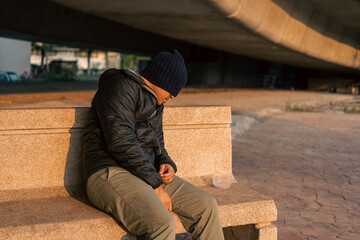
14,55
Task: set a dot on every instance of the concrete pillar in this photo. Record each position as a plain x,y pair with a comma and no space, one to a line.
266,231
106,60
88,61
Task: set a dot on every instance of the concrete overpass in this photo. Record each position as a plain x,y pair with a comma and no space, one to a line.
298,32
314,34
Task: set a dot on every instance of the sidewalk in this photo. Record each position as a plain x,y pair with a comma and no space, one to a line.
261,102
309,163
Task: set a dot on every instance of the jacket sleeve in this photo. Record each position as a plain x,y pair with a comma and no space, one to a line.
115,105
163,157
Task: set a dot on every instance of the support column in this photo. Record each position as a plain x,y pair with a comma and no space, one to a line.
88,61
266,231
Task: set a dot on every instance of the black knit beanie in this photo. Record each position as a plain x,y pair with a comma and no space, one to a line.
167,71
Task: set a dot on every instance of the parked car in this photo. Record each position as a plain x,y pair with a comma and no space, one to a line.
9,77
3,77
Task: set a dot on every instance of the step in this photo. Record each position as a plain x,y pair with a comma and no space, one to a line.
51,213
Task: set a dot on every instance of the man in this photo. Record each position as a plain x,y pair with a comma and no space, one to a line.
127,169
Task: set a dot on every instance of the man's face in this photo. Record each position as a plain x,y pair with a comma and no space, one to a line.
162,96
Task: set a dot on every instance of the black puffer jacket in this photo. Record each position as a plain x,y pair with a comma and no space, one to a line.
124,128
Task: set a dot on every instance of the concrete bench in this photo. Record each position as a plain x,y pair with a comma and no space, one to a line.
41,188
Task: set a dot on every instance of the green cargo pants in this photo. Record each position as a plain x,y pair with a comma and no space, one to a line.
135,204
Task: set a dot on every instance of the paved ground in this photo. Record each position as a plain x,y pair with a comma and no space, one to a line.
44,87
307,161
310,164
262,102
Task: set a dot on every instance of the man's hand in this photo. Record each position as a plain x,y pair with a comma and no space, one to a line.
167,173
164,197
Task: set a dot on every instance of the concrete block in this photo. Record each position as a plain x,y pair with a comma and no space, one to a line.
41,188
52,213
198,139
266,231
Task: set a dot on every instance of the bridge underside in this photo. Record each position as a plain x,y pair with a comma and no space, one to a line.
306,33
314,34
226,43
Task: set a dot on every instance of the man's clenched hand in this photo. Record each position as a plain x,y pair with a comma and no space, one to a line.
167,173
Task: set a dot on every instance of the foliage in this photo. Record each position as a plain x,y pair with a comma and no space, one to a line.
132,61
303,108
297,108
40,46
351,110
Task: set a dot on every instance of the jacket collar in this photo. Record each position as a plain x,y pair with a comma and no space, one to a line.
136,76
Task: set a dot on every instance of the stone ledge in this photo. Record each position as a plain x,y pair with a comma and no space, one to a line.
52,213
62,118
